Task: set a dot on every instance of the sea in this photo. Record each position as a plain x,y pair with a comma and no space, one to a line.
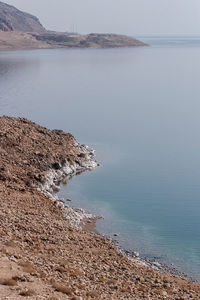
139,108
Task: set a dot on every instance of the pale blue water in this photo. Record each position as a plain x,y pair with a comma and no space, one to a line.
140,109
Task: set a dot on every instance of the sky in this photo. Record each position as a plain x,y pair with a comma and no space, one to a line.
132,17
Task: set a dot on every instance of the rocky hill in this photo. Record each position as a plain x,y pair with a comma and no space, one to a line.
12,19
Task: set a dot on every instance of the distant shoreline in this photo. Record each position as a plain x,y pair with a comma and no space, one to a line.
13,40
22,31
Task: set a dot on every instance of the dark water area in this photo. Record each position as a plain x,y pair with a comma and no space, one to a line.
139,108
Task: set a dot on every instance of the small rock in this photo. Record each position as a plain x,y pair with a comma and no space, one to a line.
166,285
55,188
136,254
164,293
140,279
56,166
12,258
157,264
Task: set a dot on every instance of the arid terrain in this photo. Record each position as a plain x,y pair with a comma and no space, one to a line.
14,40
12,19
19,41
20,30
42,256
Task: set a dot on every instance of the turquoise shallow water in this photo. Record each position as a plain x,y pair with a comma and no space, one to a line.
139,108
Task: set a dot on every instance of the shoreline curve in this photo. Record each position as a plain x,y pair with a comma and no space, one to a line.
41,252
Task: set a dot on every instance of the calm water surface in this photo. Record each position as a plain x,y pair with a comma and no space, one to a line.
140,109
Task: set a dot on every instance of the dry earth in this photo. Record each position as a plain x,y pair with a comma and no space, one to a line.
42,256
92,40
12,40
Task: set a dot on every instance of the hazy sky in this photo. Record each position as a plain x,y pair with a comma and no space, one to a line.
117,16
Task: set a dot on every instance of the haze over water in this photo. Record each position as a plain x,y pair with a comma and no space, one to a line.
139,108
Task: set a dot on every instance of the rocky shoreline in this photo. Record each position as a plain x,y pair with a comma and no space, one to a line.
80,218
61,174
43,252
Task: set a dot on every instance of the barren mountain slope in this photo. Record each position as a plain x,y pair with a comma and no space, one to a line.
12,19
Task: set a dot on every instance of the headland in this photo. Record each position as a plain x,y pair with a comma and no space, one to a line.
22,31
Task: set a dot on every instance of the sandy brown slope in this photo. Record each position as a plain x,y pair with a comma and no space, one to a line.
41,254
20,41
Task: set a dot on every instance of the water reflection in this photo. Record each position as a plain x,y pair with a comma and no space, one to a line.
15,72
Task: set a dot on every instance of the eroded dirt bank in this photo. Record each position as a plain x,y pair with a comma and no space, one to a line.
42,256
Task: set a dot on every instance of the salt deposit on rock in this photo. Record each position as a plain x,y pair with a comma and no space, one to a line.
60,174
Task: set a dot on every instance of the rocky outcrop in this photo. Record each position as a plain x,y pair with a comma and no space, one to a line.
12,19
25,160
63,171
